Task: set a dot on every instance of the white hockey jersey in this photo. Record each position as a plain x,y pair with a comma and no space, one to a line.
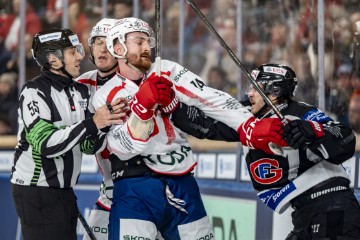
168,151
90,79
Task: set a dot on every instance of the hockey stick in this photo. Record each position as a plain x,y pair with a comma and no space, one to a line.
158,37
237,61
86,225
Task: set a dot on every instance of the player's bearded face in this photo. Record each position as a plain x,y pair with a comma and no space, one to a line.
139,50
140,60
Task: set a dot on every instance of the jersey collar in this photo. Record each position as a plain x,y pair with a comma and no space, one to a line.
57,81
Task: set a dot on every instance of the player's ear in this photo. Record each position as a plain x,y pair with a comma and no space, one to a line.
53,59
119,49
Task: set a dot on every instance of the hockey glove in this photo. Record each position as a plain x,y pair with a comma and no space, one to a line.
155,90
301,133
259,133
168,105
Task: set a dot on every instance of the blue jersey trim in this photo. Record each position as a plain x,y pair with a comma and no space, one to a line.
273,198
316,115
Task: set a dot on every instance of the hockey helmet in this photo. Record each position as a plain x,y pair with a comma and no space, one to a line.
277,79
124,26
100,29
54,41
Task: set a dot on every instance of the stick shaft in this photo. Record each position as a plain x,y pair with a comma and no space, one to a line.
236,60
86,225
158,36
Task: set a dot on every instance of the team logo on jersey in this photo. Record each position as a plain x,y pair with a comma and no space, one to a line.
83,103
266,171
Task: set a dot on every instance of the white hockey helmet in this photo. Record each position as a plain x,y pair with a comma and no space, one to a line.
100,29
124,26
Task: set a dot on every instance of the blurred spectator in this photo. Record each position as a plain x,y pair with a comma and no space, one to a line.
32,68
217,78
78,21
147,13
170,28
9,34
6,18
217,56
122,8
5,57
32,25
354,116
277,49
53,14
341,92
8,98
5,128
307,90
39,6
93,8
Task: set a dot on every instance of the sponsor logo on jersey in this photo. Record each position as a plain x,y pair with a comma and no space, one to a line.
132,237
206,237
273,198
83,104
266,171
316,115
182,72
50,36
97,229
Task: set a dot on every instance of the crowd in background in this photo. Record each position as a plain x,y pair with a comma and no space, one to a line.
272,31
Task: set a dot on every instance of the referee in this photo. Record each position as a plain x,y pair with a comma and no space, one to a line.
55,128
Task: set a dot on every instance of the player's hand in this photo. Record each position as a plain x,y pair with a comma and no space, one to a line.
170,101
300,133
111,113
156,90
259,133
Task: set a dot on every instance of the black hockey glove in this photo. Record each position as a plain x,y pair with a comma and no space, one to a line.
303,134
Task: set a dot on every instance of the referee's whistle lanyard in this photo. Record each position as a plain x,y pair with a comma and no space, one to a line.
70,98
173,201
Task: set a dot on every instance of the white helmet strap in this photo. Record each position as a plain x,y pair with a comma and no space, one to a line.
124,57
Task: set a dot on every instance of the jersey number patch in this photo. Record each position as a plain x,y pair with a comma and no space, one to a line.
198,84
33,107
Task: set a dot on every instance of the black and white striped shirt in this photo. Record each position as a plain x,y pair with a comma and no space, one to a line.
53,132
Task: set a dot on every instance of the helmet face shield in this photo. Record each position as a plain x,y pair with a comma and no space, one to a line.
143,40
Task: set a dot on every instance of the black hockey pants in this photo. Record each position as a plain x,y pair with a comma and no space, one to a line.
326,215
46,213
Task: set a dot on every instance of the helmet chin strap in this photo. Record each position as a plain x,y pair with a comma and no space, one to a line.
63,70
130,65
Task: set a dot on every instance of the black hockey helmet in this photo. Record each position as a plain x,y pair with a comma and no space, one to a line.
277,79
54,41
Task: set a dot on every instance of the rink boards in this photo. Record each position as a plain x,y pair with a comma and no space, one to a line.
229,198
